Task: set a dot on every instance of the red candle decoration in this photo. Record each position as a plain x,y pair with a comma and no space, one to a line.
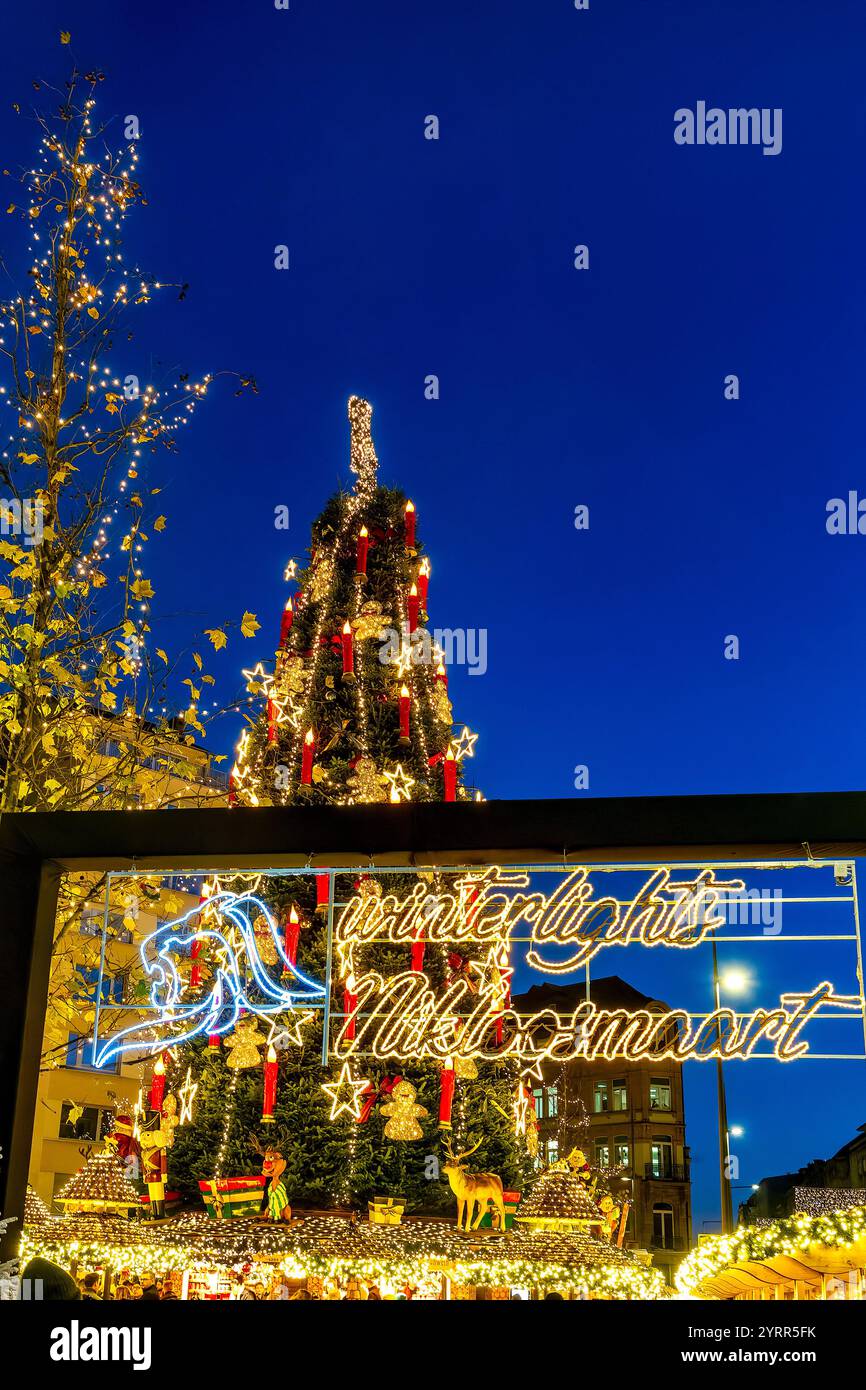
233,796
293,932
195,951
350,1004
410,523
361,548
449,770
157,1085
213,1042
348,652
321,892
270,1086
447,1078
423,581
412,607
273,735
404,713
442,674
307,758
418,951
286,622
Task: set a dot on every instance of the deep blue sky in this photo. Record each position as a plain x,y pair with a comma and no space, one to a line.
412,257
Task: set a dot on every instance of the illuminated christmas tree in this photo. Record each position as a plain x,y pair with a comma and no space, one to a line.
357,706
354,709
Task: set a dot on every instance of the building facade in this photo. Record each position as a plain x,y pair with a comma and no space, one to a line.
76,1102
822,1184
628,1118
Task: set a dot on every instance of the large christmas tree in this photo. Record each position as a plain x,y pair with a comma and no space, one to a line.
354,710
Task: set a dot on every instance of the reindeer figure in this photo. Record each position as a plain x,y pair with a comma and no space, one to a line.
273,1167
473,1189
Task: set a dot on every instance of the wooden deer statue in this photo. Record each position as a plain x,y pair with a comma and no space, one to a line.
473,1189
273,1167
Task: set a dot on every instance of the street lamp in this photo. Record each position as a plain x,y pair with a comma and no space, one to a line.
736,981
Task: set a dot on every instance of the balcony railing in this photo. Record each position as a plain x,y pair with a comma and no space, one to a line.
667,1172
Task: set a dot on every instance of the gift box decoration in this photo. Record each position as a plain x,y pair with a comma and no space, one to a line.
227,1197
386,1211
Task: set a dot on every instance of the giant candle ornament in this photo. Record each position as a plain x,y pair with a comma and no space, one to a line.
321,892
307,758
273,735
449,770
412,607
350,1004
270,1086
157,1085
361,548
286,622
404,713
293,931
348,652
447,1078
442,674
410,524
423,581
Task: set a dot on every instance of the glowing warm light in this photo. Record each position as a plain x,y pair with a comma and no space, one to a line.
735,981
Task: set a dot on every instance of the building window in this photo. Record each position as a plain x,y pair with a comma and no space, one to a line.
620,1151
663,1226
552,1150
79,1054
619,1095
662,1156
600,1098
552,1102
602,1153
538,1097
660,1093
91,1122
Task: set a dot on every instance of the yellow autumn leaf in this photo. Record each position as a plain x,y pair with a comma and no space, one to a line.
249,625
29,458
197,659
159,524
34,328
161,654
65,36
142,588
217,636
94,313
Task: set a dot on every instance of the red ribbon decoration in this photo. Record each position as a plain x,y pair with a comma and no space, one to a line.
373,1095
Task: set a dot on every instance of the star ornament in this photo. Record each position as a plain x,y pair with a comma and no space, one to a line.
464,744
292,1034
345,1093
401,783
290,571
187,1095
258,680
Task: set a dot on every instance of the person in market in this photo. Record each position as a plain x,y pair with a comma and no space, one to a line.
90,1287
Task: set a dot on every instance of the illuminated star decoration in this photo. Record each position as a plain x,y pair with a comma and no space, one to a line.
346,1082
401,783
464,746
290,571
291,1035
187,1095
533,1073
258,680
523,1112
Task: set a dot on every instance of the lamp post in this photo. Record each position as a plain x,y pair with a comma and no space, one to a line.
734,980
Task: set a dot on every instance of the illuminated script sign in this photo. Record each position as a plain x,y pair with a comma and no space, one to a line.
403,1016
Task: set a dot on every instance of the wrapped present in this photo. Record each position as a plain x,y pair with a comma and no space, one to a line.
227,1197
386,1211
510,1201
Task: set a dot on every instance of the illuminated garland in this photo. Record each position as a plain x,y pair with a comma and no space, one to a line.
330,1246
791,1236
